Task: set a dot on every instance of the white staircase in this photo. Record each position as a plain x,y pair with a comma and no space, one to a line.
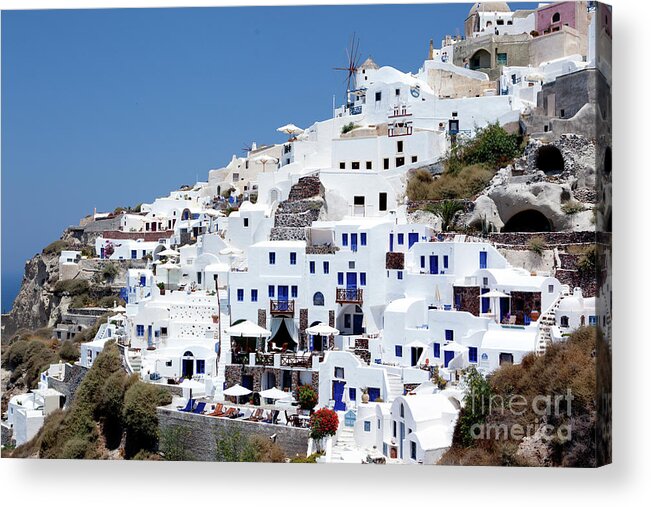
396,387
345,444
547,321
134,361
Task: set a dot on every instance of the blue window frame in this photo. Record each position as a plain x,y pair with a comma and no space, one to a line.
140,330
398,350
422,262
240,294
362,238
134,254
326,267
592,320
472,354
413,450
401,238
254,295
340,278
449,335
201,366
437,350
344,239
399,275
312,267
143,280
272,257
292,257
483,260
352,393
362,278
294,291
367,425
445,261
272,291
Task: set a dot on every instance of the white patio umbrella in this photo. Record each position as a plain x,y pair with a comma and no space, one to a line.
119,308
290,129
454,347
168,252
237,390
264,160
274,394
247,328
494,294
322,329
192,385
230,250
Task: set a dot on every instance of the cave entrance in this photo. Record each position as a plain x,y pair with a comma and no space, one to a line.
549,159
528,221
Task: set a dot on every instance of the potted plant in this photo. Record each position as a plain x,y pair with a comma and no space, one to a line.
323,423
161,287
365,396
535,314
307,397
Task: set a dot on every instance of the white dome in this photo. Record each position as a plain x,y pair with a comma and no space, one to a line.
489,7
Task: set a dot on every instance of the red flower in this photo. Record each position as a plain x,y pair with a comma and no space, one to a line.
323,423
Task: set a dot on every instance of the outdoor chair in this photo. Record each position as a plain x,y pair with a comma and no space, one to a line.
199,409
219,410
257,415
188,407
228,413
267,417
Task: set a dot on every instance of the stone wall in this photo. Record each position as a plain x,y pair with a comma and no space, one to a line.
523,303
235,372
468,299
203,430
395,260
72,377
551,238
145,236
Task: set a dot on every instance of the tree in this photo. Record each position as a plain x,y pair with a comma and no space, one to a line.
476,407
140,419
323,423
173,443
447,211
307,397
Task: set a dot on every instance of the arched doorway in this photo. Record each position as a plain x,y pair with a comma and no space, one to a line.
528,221
274,195
481,59
187,365
549,159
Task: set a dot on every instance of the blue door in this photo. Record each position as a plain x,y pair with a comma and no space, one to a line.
338,394
413,238
357,324
351,286
448,356
283,297
483,260
485,302
434,264
353,242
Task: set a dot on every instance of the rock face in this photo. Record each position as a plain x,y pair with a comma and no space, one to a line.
550,188
303,206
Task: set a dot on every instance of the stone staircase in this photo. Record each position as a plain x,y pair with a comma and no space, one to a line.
301,208
547,320
396,387
345,443
134,361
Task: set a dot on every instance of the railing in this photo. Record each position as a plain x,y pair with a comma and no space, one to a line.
349,296
264,359
356,110
396,131
296,361
281,306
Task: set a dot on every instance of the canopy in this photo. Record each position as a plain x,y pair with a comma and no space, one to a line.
322,329
290,129
230,250
192,384
119,308
167,252
454,346
237,390
265,158
494,294
247,328
274,394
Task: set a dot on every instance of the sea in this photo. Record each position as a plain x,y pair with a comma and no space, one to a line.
10,287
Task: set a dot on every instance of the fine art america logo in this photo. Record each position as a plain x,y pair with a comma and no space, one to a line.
542,409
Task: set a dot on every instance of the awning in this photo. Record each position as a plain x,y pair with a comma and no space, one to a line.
247,328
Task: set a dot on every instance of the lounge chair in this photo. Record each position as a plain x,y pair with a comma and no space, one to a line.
228,413
267,417
199,409
274,416
219,410
257,415
188,407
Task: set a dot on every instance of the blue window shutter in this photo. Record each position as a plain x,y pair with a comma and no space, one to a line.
312,267
344,239
449,335
271,291
399,275
437,350
272,257
240,294
294,291
326,267
362,238
483,256
445,261
401,238
472,354
367,425
422,261
398,350
362,278
340,278
292,257
352,394
254,295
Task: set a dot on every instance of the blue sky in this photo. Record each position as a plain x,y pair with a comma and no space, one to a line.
107,108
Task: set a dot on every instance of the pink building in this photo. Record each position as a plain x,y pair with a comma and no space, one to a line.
553,17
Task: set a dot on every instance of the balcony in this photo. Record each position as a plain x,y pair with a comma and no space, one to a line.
281,307
345,296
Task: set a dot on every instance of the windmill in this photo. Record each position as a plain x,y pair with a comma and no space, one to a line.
352,54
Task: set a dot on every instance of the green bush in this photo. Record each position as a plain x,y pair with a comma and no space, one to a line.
56,247
173,444
139,416
68,352
306,459
537,244
234,446
109,272
492,145
448,212
71,287
349,127
572,207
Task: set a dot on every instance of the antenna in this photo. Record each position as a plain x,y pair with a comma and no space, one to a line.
353,61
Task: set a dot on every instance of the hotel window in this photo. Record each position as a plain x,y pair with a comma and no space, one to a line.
354,165
400,146
413,450
437,350
351,264
362,238
422,261
272,291
398,350
565,321
449,335
340,278
414,159
272,257
246,222
383,201
168,363
294,291
550,288
445,261
378,96
367,425
326,267
397,92
342,165
394,429
472,354
201,366
352,394
402,410
362,278
240,294
556,17
312,267
386,163
344,239
399,275
163,331
501,59
254,295
292,258
401,238
400,161
339,372
369,164
140,330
